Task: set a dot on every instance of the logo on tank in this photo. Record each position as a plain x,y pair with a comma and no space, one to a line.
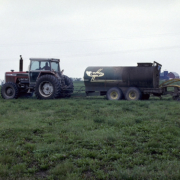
92,74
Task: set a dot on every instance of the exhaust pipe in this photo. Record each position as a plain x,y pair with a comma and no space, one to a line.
21,64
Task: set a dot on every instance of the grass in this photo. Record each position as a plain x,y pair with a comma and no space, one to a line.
89,138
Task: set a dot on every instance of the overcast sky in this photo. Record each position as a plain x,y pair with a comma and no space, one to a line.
84,33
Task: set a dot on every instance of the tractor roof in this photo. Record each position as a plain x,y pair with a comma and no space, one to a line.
44,59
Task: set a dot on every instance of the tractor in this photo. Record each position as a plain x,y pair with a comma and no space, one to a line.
44,78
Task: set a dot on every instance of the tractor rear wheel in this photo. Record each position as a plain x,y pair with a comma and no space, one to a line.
114,94
133,94
67,86
9,91
47,87
69,83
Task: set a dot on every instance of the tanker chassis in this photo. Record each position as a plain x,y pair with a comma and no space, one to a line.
132,83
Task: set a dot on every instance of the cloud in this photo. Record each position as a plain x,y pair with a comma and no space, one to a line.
88,33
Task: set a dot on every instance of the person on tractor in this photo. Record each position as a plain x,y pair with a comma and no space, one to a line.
46,67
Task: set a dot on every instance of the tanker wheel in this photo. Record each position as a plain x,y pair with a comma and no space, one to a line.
145,96
114,94
133,94
9,91
47,87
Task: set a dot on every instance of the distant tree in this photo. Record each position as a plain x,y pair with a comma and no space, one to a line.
76,79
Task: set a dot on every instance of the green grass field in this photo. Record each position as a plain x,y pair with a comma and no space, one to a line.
89,138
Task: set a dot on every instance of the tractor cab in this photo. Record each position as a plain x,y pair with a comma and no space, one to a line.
39,66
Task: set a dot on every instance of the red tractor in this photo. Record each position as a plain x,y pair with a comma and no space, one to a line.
44,78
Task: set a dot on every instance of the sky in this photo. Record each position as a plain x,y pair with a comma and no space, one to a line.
84,33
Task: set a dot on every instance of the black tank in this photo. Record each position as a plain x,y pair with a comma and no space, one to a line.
145,75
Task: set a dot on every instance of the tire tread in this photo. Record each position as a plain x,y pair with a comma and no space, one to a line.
55,82
136,89
14,85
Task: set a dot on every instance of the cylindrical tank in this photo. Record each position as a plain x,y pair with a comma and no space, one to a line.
104,77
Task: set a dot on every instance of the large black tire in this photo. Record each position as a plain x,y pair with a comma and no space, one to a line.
145,96
47,87
133,94
67,86
9,91
114,94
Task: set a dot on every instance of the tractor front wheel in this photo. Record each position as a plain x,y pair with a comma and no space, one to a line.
9,91
47,87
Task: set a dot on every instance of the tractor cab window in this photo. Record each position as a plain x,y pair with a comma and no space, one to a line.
45,65
34,65
40,65
55,66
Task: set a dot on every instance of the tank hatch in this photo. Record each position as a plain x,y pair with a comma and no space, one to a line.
145,64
